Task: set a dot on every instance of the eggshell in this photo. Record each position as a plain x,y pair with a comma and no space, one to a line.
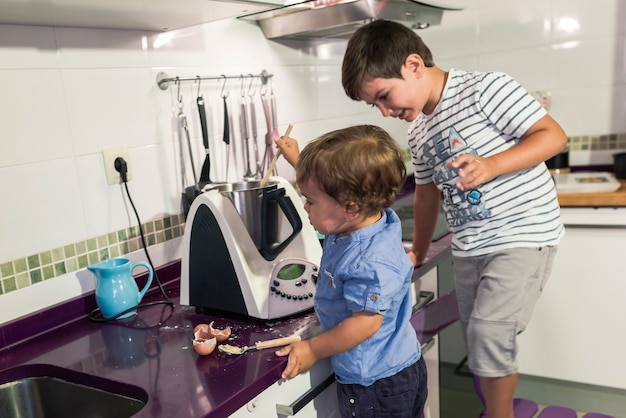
204,346
221,334
202,332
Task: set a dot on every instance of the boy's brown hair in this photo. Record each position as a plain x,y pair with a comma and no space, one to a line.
357,166
378,50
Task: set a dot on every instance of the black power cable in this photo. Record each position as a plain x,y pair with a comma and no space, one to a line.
122,167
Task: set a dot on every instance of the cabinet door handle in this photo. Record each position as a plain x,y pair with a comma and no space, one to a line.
425,298
302,401
428,345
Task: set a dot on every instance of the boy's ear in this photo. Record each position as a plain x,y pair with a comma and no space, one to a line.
415,64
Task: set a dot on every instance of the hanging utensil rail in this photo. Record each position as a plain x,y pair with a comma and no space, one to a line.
164,81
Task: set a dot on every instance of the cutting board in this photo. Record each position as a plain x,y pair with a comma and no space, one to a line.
616,198
586,182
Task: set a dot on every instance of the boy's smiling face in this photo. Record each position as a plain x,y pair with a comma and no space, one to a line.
399,98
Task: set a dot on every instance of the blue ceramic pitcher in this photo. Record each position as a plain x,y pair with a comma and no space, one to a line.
116,288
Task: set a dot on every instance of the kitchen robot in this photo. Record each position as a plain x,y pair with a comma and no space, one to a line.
249,250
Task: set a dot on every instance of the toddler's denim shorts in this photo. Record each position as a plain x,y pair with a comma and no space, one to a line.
399,396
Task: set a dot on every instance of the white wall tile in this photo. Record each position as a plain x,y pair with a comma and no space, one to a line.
41,207
597,111
33,117
27,47
456,36
101,48
591,19
332,101
590,63
195,46
531,67
514,25
108,107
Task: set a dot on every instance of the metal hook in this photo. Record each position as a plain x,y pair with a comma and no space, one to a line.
241,89
224,85
199,80
250,85
180,98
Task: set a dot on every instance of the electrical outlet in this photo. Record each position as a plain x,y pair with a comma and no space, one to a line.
110,154
544,97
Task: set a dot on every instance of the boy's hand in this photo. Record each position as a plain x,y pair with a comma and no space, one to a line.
289,148
473,170
301,358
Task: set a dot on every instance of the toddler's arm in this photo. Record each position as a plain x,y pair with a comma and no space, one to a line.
348,334
289,148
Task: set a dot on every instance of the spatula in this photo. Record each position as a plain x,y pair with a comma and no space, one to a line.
278,342
205,173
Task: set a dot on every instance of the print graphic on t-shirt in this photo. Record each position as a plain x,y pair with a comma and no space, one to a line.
461,206
457,142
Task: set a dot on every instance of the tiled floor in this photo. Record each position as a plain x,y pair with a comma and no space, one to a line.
458,399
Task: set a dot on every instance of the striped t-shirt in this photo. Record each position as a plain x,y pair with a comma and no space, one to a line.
485,114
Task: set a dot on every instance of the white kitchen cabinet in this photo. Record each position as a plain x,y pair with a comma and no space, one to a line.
430,349
284,398
576,333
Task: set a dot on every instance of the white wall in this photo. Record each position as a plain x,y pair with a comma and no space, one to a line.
67,94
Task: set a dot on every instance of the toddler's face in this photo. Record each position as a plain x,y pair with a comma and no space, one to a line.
325,214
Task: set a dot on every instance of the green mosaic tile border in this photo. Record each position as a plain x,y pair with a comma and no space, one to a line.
22,272
615,142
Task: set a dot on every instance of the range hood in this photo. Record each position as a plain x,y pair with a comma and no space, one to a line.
316,19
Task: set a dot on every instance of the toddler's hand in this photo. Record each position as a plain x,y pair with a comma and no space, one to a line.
290,149
300,359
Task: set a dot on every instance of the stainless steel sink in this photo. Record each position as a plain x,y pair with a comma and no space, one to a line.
42,390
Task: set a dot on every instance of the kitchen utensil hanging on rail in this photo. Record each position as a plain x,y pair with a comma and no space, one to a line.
245,135
205,172
226,132
253,126
189,192
269,110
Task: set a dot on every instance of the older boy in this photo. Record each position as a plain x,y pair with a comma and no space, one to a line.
478,142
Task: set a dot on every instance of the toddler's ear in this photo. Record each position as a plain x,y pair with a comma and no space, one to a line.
352,208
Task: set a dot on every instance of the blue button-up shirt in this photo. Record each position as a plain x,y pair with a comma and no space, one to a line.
369,270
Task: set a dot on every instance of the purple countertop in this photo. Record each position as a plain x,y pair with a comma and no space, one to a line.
152,353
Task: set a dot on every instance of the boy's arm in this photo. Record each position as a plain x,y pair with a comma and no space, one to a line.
426,201
347,334
543,140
